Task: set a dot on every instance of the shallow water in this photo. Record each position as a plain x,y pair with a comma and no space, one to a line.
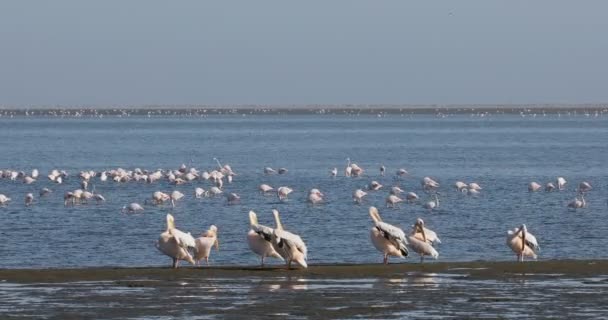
503,153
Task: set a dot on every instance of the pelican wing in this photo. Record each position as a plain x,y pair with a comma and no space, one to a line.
184,240
290,240
394,235
263,231
431,236
531,241
422,248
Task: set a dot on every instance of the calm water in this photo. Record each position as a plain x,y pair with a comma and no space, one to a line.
502,153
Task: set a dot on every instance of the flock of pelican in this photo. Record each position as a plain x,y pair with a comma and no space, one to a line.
277,242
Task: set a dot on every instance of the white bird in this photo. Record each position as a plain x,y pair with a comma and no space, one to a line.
382,170
549,187
561,183
175,243
474,186
259,239
356,171
283,192
99,198
348,170
584,186
35,174
578,203
434,203
315,196
175,196
358,195
29,180
29,199
534,186
199,192
283,170
269,170
429,235
132,208
421,246
392,201
290,246
429,184
472,192
204,243
522,242
213,191
333,172
388,239
45,191
264,188
402,173
460,186
396,190
411,197
232,198
374,185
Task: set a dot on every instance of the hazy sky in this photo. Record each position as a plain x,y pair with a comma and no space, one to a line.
305,52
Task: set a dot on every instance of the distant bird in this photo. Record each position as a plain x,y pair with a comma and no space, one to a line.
522,242
175,196
204,243
283,192
233,198
176,243
358,195
533,186
584,186
561,183
264,188
382,170
99,198
419,243
213,191
333,172
472,192
401,173
549,187
29,199
395,190
289,245
356,171
578,203
392,201
283,171
132,208
474,186
388,239
199,192
315,196
259,239
374,185
269,170
429,184
461,186
348,170
29,180
411,197
45,191
433,203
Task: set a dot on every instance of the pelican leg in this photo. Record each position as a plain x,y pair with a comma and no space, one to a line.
289,264
207,260
385,258
174,265
262,266
421,259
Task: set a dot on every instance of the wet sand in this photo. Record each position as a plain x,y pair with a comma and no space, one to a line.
571,289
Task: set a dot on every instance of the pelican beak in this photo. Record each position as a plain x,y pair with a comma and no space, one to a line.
217,245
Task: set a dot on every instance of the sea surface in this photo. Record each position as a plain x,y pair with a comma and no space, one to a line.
503,153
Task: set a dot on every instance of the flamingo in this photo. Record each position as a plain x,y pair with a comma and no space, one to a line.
283,170
533,186
133,207
402,173
204,243
584,186
28,180
374,185
411,197
358,195
395,190
388,239
289,245
259,239
269,170
233,198
175,243
29,199
474,186
348,170
561,183
429,184
99,198
578,203
434,203
392,201
35,173
419,243
382,170
199,192
549,187
461,186
175,196
333,172
356,171
213,191
522,242
315,196
45,191
283,192
264,188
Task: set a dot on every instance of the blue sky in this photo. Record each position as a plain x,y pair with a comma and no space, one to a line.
313,52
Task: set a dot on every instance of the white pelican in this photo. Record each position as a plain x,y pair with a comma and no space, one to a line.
264,188
283,192
29,199
175,196
388,239
411,197
460,186
333,172
561,183
392,201
175,243
199,192
578,203
348,170
204,243
233,198
382,170
358,195
533,186
434,203
290,246
315,196
419,243
584,186
549,187
429,235
522,242
45,191
374,185
259,239
132,208
269,170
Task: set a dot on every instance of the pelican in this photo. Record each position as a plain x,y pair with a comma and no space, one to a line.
199,192
175,243
269,170
290,246
283,192
175,196
429,235
374,185
561,183
382,170
315,196
358,195
522,242
333,172
35,174
348,170
549,187
204,243
533,186
584,186
578,203
259,239
419,243
29,199
132,208
461,186
264,188
411,197
45,191
232,198
393,201
434,203
388,239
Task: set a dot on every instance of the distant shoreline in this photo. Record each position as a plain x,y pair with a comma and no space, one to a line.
191,110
